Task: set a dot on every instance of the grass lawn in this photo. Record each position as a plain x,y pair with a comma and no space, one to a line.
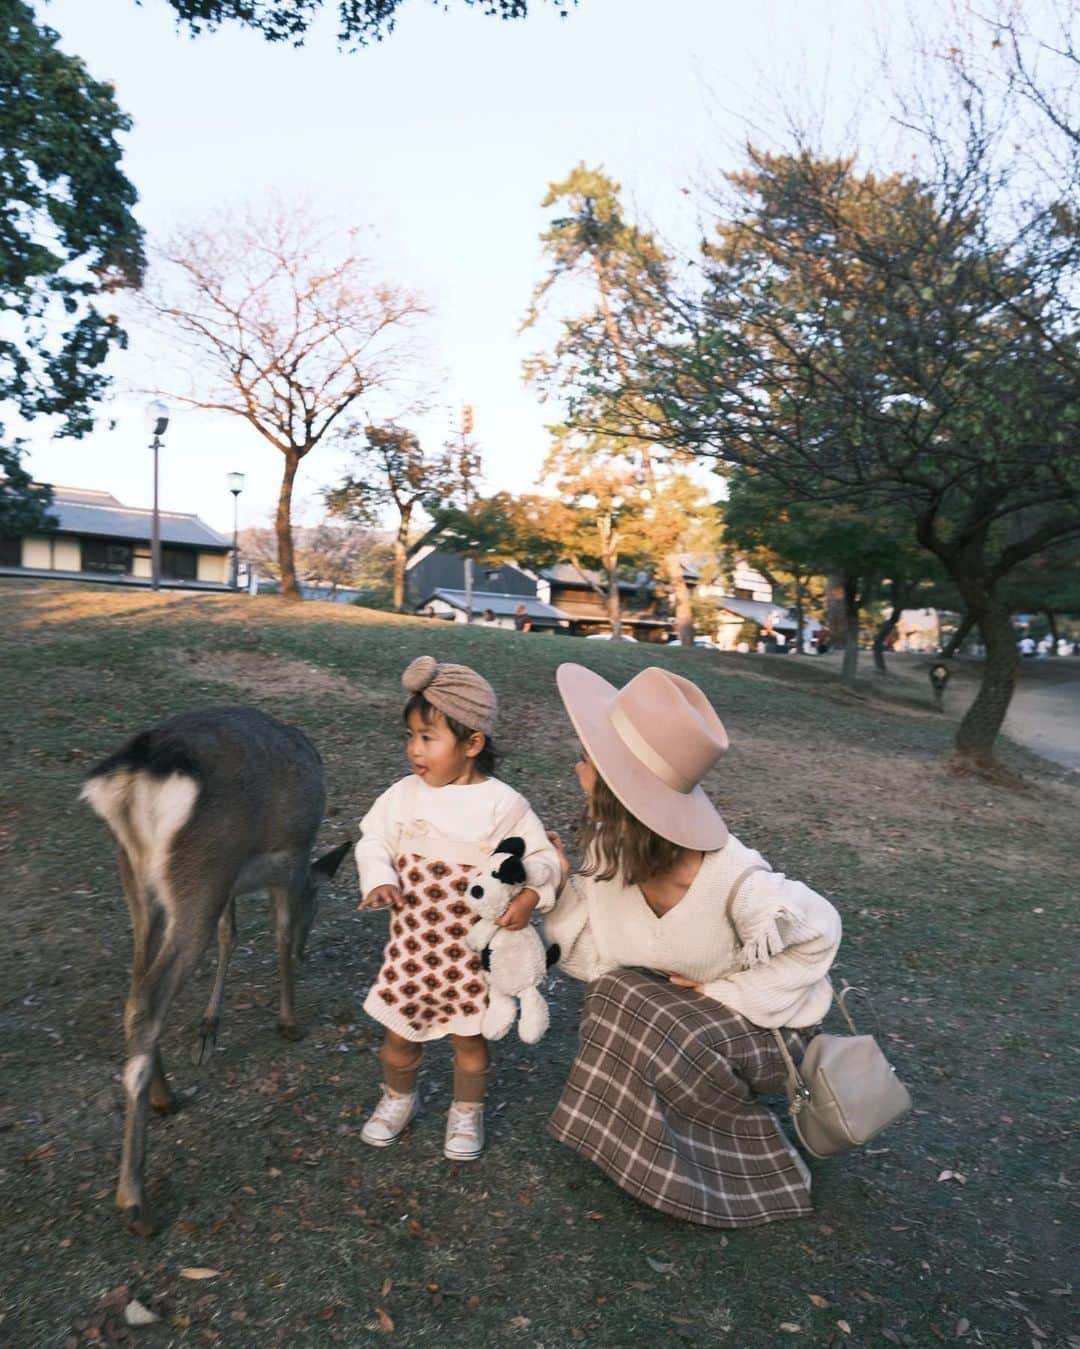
958,900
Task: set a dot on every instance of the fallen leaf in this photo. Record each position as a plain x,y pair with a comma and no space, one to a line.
958,1176
386,1321
792,1327
384,1291
818,1300
963,1326
135,1314
658,1266
520,1322
199,1272
1035,1330
843,1325
181,1320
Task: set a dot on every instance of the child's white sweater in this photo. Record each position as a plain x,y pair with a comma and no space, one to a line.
480,812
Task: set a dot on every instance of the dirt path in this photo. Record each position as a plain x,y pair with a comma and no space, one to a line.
1044,715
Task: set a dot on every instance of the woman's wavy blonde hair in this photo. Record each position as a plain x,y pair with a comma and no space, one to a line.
615,843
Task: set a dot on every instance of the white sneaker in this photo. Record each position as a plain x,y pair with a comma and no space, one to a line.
390,1118
464,1133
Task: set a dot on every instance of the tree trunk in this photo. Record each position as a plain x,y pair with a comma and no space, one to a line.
956,641
684,614
283,528
981,722
799,647
614,602
835,611
882,634
400,559
1052,621
401,556
851,630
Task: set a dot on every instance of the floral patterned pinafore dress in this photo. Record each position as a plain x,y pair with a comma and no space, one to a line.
431,984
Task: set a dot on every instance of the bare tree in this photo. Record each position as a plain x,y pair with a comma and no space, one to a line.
335,554
288,328
392,470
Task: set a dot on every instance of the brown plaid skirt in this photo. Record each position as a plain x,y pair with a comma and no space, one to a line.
661,1097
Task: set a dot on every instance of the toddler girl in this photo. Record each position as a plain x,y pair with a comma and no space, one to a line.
420,844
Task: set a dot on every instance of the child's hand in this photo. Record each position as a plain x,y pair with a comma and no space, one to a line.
517,913
382,897
564,863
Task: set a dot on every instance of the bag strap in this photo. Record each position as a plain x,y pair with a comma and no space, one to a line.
798,1091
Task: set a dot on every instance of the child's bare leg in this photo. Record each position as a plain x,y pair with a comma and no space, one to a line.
399,1101
401,1062
471,1061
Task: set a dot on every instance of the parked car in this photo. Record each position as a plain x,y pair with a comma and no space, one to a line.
606,637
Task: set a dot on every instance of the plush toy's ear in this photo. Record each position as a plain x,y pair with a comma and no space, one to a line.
511,871
514,846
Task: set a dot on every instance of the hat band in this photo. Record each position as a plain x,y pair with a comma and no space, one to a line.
640,748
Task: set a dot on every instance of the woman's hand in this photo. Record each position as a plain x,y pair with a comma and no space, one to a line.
683,982
564,862
382,897
517,913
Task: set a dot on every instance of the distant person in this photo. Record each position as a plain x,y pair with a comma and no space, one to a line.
522,621
489,618
1026,646
824,640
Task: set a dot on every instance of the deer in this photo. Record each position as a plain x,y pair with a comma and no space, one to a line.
210,805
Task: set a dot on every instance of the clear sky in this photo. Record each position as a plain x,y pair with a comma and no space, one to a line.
443,140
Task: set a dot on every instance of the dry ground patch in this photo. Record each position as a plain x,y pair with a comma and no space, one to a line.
957,901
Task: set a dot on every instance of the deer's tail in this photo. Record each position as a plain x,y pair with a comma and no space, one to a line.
146,793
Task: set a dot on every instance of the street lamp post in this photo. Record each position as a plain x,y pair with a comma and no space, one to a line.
236,486
157,421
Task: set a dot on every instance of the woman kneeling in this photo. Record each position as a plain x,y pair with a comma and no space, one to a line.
694,950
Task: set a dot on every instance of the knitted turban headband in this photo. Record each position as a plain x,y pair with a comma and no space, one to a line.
455,690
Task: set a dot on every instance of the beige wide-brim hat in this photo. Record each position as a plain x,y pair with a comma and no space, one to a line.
652,742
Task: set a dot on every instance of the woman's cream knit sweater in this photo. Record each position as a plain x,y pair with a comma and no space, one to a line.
766,954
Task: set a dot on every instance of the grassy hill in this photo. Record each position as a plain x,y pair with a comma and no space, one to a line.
956,903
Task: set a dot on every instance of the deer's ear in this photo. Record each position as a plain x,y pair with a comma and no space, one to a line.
325,867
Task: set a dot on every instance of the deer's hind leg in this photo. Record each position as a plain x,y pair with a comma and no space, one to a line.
206,1035
287,899
147,926
178,949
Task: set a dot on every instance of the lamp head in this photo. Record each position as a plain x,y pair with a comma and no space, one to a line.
157,418
236,483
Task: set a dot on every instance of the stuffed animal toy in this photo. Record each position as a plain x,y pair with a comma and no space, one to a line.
515,961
